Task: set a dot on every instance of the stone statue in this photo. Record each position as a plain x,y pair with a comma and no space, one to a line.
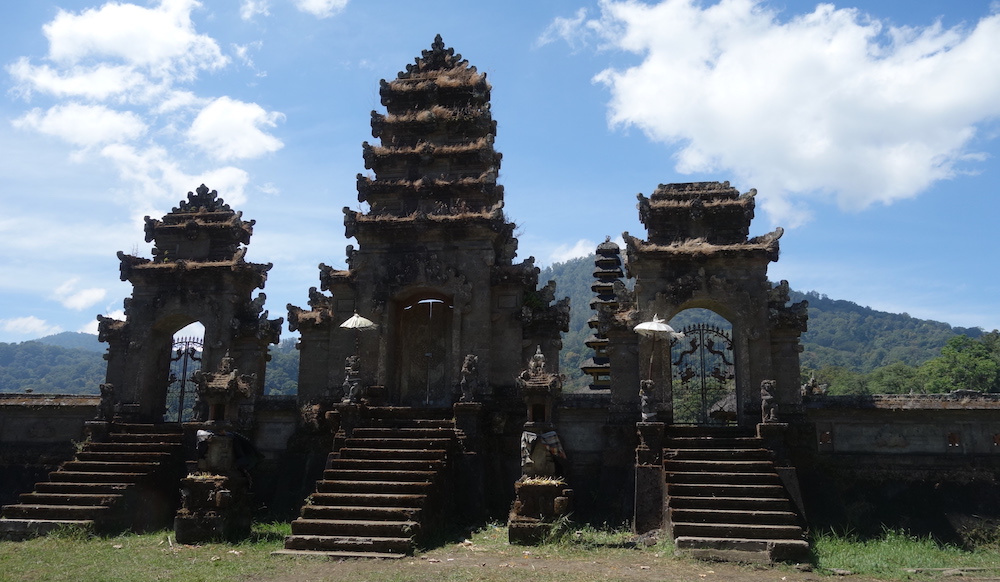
106,408
536,365
470,378
768,407
811,387
352,379
647,400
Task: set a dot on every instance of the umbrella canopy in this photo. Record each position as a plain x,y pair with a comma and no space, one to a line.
357,322
656,329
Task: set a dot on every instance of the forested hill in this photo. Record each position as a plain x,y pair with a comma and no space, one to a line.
841,334
73,363
845,341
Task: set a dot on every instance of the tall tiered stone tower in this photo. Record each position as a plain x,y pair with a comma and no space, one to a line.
434,264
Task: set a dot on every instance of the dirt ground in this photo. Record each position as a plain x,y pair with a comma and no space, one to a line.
457,563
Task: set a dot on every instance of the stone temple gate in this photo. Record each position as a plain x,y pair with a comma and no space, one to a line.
698,255
197,274
434,265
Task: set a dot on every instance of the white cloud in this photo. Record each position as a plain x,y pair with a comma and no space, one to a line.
84,125
251,8
320,8
29,326
831,103
78,299
158,179
160,40
229,129
572,30
580,248
95,82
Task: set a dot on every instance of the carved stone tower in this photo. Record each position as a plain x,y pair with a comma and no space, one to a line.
699,255
197,273
434,265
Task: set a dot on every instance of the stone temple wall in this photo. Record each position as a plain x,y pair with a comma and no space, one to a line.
37,432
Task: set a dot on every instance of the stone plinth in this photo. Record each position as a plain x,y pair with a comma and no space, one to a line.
539,503
649,477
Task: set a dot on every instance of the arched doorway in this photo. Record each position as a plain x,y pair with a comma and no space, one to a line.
702,369
185,359
423,349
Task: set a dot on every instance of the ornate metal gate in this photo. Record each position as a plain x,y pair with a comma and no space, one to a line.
703,378
185,359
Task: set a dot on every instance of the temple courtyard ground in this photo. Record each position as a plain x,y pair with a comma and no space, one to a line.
580,555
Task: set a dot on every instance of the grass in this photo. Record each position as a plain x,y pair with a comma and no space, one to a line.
896,554
573,554
76,557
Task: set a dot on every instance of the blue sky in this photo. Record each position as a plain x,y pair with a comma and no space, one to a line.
869,130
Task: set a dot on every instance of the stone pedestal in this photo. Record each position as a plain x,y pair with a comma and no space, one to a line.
216,502
650,480
539,503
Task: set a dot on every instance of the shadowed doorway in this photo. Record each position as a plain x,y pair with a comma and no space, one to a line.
424,349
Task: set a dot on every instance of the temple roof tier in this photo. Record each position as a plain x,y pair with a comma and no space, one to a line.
438,124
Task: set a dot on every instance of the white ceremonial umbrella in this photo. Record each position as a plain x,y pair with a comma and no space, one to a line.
357,322
656,329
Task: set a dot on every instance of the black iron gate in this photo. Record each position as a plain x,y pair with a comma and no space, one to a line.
185,359
703,378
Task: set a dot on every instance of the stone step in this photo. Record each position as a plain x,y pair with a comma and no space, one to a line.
360,512
365,544
380,475
684,515
369,499
411,423
145,438
718,454
395,443
111,466
331,555
355,527
743,550
126,457
739,503
724,490
95,477
705,477
410,433
679,430
164,428
56,512
410,413
718,466
135,447
335,486
384,464
82,488
390,456
732,443
737,530
22,529
70,498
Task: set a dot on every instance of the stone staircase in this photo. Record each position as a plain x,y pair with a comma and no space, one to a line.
725,499
382,491
128,481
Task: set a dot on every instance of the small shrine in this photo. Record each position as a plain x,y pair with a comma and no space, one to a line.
542,494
